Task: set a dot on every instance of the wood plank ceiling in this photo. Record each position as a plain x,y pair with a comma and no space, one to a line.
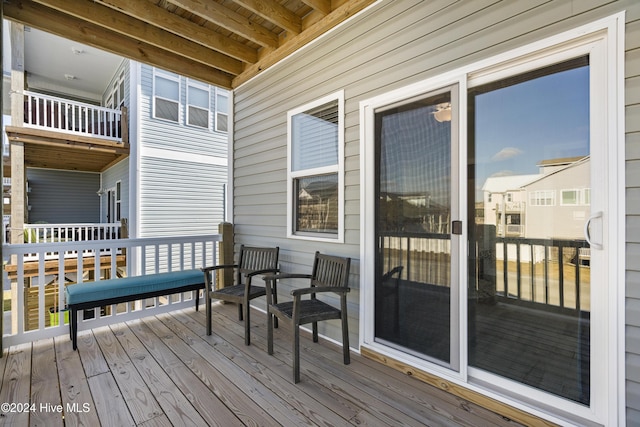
222,42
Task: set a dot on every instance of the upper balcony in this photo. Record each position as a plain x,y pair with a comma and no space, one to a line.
64,134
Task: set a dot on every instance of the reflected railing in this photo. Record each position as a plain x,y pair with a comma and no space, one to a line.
551,273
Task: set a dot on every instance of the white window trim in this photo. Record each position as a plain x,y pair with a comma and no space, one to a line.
606,38
113,91
225,93
580,196
538,195
206,88
118,200
338,168
168,76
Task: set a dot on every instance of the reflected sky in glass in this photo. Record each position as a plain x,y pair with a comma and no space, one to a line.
521,125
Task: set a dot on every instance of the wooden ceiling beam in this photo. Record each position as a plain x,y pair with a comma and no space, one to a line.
339,15
126,25
275,13
323,6
32,14
162,18
230,20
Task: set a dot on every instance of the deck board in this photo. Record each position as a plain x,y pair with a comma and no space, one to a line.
74,387
44,385
164,370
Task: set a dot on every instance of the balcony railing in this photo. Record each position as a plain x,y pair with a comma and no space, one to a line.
59,114
48,233
45,233
35,288
513,230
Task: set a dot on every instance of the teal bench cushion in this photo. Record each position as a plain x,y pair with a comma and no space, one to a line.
127,286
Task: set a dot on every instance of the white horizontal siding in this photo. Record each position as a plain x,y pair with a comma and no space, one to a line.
180,198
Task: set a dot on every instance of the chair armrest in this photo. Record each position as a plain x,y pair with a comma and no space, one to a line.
320,289
287,276
265,271
217,267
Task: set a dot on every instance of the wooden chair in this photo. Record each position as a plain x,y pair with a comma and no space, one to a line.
252,261
329,274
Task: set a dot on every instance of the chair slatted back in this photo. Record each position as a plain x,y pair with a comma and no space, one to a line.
254,259
330,271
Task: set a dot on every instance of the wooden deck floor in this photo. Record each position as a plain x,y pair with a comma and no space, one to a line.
164,370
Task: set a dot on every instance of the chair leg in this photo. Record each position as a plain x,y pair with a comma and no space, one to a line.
240,312
275,301
296,353
247,324
270,332
314,328
208,308
345,338
197,299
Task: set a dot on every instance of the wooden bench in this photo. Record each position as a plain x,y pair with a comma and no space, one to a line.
83,296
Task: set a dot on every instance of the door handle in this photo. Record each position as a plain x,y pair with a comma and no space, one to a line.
587,233
456,227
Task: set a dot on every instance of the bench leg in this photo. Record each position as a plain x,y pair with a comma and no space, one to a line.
197,299
74,328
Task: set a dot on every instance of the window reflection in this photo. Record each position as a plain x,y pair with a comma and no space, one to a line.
529,273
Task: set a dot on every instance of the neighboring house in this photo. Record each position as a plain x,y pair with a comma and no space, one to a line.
171,178
553,204
144,157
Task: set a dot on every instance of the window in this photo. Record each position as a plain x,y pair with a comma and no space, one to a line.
197,104
542,198
315,186
166,92
115,96
222,111
575,197
118,200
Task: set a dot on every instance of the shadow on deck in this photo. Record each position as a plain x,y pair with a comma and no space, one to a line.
164,370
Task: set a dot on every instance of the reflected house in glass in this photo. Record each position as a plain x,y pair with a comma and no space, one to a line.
523,205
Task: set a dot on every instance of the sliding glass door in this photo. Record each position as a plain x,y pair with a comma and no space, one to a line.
529,203
492,230
416,306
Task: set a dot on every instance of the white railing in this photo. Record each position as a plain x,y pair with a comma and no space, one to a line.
38,281
45,233
81,232
48,112
512,230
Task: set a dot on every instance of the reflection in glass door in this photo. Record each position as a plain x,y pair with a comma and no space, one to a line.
529,201
416,306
